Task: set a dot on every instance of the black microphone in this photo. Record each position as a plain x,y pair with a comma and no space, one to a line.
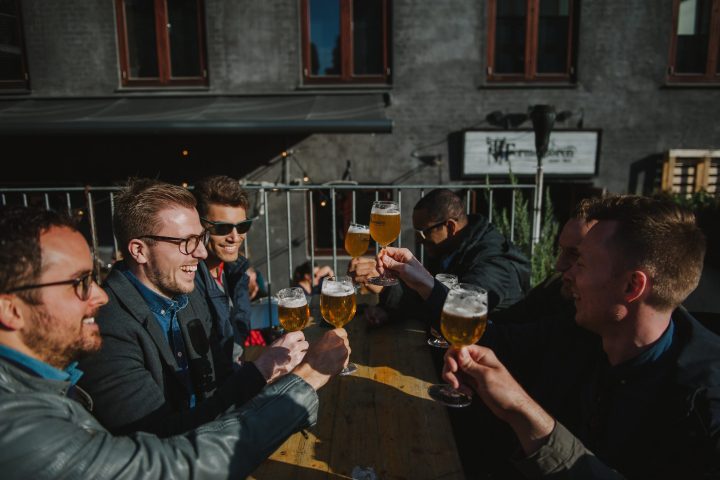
199,340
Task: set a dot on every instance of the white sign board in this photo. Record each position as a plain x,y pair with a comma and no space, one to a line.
496,152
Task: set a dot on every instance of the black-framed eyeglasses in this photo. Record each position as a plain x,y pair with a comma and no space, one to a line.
82,285
425,231
187,245
224,228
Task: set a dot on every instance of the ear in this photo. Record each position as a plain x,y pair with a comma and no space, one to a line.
11,316
138,250
452,226
637,286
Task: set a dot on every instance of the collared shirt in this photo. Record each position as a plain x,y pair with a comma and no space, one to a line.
36,367
165,310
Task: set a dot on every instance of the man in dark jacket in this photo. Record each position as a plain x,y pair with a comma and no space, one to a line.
633,387
222,277
48,303
467,246
163,368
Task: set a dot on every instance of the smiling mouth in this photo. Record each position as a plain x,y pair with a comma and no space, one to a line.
189,268
88,321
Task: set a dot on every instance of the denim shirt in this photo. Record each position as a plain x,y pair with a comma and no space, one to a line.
165,311
71,374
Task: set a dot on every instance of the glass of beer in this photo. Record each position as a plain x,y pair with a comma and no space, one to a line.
357,239
338,305
463,322
385,228
436,340
293,310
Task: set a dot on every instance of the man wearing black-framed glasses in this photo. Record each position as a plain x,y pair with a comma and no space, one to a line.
48,306
166,366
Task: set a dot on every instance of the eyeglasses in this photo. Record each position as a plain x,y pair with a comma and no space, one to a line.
425,231
224,228
81,284
187,245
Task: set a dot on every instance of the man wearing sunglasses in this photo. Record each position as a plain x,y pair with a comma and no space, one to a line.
48,305
166,365
222,277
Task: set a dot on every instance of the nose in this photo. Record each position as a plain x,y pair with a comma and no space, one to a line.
98,297
200,251
569,273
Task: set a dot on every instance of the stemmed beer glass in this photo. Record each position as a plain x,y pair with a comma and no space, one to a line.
449,280
385,228
357,239
338,306
293,310
463,322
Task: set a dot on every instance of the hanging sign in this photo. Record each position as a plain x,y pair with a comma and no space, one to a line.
497,152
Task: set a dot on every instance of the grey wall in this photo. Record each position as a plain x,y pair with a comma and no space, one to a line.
438,84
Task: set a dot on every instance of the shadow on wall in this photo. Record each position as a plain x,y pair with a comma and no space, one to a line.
645,175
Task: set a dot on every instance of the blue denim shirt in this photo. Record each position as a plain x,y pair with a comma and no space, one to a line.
165,311
71,374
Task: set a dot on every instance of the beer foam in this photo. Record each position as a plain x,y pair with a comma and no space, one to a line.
337,289
292,302
478,310
387,211
358,229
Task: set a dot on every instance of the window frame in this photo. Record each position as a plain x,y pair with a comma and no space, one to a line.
20,83
712,73
530,74
162,44
346,47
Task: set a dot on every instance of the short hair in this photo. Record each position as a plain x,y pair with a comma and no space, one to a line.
220,190
583,208
20,251
660,237
300,272
441,204
138,204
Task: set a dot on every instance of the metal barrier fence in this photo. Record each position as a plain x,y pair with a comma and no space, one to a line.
95,207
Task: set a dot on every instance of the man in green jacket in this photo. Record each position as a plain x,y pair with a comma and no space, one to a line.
48,301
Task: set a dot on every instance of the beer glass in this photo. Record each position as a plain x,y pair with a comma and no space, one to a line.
338,305
384,229
293,310
449,280
463,322
357,239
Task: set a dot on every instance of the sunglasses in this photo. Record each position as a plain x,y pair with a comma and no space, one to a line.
224,228
81,284
423,233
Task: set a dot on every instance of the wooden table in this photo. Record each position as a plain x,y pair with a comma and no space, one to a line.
380,417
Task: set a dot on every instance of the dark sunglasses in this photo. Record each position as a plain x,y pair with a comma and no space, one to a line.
425,231
81,284
224,228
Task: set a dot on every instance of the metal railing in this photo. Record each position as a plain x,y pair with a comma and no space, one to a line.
96,206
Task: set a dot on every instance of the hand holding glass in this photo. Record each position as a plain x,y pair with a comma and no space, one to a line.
385,228
463,322
449,280
338,306
293,310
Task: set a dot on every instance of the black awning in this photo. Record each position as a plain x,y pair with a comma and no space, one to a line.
304,114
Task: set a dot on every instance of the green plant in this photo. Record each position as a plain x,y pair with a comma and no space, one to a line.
542,257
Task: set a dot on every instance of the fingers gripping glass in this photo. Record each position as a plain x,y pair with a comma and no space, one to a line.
187,245
338,306
463,322
224,228
82,285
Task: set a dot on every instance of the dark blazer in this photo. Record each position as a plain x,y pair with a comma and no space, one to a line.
133,378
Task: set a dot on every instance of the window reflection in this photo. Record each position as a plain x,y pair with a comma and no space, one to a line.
325,52
692,36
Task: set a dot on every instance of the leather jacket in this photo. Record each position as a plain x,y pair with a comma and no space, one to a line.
46,434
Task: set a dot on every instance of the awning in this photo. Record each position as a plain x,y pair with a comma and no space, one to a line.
305,114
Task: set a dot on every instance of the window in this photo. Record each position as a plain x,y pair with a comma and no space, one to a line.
13,66
532,40
695,45
345,41
161,42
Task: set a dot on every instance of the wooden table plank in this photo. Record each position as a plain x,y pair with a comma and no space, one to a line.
381,417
